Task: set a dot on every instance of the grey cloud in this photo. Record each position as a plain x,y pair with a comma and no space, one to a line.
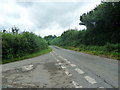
44,14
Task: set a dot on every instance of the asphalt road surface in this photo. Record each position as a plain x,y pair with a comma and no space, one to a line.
61,68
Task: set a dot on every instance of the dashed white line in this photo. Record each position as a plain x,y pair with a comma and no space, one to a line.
68,62
63,67
67,73
101,87
79,71
60,63
51,53
28,67
90,79
73,65
65,60
61,57
76,84
57,60
55,52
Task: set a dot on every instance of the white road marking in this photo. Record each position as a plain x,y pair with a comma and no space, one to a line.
60,63
101,87
52,54
61,57
73,65
68,62
90,79
79,71
28,67
63,67
57,60
67,73
65,60
76,84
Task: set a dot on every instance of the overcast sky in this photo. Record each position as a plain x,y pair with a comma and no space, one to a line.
44,17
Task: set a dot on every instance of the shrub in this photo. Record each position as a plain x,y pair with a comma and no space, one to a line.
18,45
111,47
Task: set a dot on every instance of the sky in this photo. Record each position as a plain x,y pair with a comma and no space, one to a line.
44,17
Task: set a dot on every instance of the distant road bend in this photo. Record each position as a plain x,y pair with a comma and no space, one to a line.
61,68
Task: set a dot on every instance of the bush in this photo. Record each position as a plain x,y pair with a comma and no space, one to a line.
111,47
18,45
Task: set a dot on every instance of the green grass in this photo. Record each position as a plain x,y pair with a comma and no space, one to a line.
27,56
99,51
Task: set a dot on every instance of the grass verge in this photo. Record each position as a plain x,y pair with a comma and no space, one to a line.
112,55
27,56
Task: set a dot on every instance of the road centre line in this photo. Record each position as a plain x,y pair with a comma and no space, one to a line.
67,73
55,53
68,62
76,84
63,67
73,65
79,70
60,63
90,79
28,67
51,53
61,57
57,60
101,87
65,60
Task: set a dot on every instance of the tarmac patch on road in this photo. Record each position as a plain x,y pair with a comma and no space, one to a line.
36,75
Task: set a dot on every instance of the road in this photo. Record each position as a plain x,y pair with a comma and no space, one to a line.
61,68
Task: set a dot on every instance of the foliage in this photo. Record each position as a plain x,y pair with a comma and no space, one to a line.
56,41
28,56
102,24
98,50
18,45
102,33
49,38
69,38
